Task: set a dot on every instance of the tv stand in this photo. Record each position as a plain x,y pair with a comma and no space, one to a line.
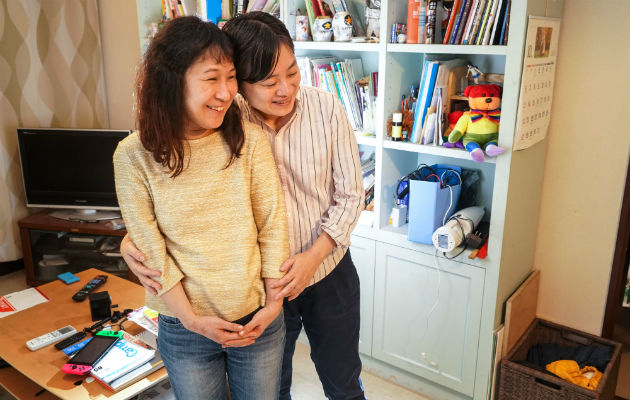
52,246
85,215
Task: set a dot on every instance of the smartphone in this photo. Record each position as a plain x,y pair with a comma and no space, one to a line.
81,363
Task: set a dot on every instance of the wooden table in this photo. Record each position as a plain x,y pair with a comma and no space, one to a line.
33,370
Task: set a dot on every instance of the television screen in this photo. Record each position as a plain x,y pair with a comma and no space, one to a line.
69,168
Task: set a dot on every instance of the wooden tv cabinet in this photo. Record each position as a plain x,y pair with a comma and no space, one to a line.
52,246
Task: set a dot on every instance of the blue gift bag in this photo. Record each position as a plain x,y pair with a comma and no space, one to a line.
432,199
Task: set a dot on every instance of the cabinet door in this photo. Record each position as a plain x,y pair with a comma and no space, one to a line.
427,315
362,251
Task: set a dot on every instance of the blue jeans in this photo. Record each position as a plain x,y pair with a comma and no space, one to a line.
197,366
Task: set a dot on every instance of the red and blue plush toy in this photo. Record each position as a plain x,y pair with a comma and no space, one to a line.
479,127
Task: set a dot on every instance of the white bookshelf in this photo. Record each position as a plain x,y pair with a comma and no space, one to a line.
399,277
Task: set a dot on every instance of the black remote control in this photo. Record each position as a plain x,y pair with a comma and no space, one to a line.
96,282
71,340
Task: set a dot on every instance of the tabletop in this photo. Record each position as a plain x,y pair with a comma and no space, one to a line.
43,366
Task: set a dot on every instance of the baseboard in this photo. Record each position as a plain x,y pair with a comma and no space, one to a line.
11,266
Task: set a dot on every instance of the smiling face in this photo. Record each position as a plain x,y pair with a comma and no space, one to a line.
210,87
274,97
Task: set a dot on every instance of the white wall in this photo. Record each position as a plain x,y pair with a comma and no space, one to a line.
586,163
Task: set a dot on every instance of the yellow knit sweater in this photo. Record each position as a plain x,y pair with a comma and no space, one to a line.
219,231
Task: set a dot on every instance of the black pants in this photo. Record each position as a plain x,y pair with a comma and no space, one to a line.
329,311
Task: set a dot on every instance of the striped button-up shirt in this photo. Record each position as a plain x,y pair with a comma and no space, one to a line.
318,163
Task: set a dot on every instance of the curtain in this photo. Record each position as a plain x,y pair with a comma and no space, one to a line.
51,75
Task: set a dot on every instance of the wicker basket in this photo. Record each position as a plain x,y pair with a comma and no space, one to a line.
519,382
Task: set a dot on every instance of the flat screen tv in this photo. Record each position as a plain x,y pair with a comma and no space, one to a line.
70,169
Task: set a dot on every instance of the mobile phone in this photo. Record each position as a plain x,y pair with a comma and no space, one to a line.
81,363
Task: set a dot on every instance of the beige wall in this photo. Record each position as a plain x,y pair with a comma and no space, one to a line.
121,54
50,76
586,163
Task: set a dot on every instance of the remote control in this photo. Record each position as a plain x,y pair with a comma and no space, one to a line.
96,282
50,338
70,341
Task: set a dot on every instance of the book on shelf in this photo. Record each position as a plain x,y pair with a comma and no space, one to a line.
124,357
310,12
454,15
425,94
462,21
484,22
497,21
413,20
432,24
347,81
469,39
470,17
506,24
490,24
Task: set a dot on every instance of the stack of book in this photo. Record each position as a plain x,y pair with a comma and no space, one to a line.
428,114
478,22
358,96
130,360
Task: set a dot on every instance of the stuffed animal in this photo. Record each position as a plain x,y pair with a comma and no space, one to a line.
479,127
452,120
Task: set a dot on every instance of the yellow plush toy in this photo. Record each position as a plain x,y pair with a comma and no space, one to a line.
479,127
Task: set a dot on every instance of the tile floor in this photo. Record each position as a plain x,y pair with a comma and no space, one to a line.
306,385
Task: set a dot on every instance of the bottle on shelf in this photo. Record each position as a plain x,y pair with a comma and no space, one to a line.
397,127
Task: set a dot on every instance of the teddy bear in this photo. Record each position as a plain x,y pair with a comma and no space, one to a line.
452,120
479,127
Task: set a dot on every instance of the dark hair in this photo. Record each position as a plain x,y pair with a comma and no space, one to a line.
257,38
161,107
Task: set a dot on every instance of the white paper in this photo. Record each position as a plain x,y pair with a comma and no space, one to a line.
18,301
539,68
138,317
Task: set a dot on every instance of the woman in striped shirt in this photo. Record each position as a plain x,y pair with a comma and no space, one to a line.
317,159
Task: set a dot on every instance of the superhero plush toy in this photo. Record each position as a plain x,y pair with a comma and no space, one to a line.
479,127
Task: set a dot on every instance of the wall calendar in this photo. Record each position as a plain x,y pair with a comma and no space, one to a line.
539,68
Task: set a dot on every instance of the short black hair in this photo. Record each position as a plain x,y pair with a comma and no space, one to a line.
257,38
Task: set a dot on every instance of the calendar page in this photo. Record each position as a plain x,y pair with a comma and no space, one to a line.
534,109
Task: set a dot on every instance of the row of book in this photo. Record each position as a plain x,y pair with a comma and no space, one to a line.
132,358
216,10
429,107
356,91
478,22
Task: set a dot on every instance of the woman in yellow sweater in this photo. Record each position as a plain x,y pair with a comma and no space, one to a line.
217,263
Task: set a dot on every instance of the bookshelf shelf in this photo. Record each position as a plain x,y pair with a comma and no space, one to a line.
433,150
339,46
398,237
446,49
366,140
